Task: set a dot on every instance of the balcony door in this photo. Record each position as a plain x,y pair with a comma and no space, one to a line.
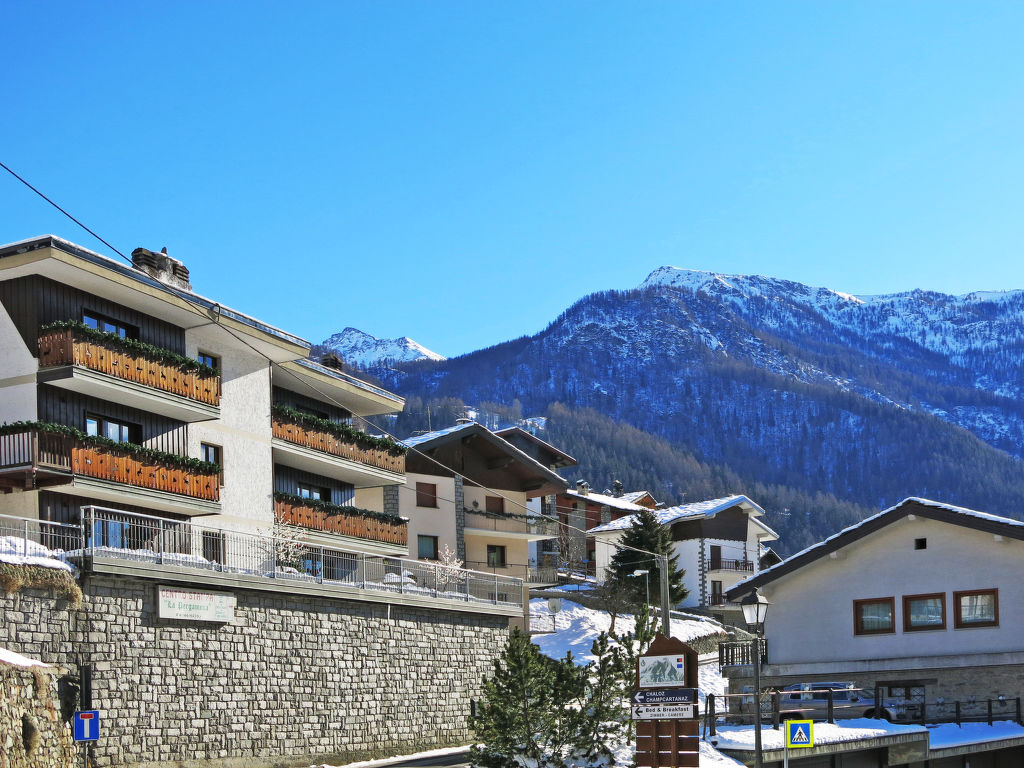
716,557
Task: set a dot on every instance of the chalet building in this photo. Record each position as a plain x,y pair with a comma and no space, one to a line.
579,509
719,543
123,389
492,533
923,600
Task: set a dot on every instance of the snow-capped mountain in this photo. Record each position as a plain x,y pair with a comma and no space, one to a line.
869,398
365,351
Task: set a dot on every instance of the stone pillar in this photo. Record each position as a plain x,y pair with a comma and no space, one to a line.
390,499
702,574
460,518
606,514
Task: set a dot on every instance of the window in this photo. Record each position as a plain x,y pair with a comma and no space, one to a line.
211,361
213,546
213,454
920,543
716,557
977,608
112,429
109,325
426,495
495,556
426,547
875,616
314,492
922,612
495,505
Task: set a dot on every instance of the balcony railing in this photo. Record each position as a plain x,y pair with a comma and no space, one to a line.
36,449
107,534
321,440
730,565
531,574
739,653
68,347
319,519
532,526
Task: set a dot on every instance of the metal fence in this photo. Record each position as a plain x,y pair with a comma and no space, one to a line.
276,554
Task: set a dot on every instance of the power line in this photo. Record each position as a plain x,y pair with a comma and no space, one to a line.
26,183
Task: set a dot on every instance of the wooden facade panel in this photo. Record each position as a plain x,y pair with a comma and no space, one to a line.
34,301
158,432
730,525
61,508
287,480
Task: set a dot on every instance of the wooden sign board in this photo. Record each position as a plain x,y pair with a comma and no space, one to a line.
674,742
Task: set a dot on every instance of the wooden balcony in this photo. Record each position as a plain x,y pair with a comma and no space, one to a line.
36,458
312,518
510,525
66,347
323,442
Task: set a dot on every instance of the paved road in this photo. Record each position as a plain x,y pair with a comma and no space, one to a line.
459,760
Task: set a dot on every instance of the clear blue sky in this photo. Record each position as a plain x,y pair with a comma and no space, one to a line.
462,172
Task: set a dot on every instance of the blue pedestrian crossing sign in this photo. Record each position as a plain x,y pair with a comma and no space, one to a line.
86,725
799,733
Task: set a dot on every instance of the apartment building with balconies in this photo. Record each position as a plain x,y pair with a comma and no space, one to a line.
719,543
476,493
122,389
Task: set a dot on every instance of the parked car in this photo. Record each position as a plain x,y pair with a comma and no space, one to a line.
809,701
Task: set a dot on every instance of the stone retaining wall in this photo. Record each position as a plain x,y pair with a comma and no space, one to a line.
32,732
291,681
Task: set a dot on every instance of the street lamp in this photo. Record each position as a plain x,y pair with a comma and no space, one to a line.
647,581
755,608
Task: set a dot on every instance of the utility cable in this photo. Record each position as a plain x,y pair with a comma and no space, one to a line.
23,181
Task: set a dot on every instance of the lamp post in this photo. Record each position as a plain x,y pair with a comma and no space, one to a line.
755,608
647,581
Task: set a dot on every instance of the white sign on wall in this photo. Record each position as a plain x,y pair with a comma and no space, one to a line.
189,605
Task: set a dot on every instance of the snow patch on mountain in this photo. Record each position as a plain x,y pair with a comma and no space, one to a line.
364,350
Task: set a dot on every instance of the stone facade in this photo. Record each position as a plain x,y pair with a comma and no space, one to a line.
460,518
33,734
292,680
390,499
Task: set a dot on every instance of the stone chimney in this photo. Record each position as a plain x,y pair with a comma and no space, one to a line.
463,420
161,267
582,487
617,489
332,360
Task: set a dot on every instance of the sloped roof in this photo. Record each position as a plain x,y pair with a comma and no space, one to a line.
694,511
633,496
913,505
564,459
615,502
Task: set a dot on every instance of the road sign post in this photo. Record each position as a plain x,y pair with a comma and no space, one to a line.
665,706
85,727
799,735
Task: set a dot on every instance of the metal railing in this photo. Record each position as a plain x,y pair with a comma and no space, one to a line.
274,555
738,653
718,564
531,574
28,537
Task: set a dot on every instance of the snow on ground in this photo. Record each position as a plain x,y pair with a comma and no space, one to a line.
399,758
949,735
742,736
19,551
17,660
578,626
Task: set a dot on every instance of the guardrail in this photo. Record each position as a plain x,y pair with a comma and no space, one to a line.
273,555
531,574
532,526
730,565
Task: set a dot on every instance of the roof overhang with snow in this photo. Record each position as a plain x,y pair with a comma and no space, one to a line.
924,508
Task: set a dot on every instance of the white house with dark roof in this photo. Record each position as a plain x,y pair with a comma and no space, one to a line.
924,599
719,542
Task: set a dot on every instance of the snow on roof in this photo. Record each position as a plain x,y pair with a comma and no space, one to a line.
632,496
426,438
609,501
698,509
823,544
17,660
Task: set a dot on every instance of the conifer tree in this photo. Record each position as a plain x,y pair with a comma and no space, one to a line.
649,535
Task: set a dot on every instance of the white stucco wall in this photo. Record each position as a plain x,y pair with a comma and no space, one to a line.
243,430
811,617
438,522
18,374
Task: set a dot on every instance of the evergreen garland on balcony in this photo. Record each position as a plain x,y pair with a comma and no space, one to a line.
332,510
149,351
508,515
150,455
341,431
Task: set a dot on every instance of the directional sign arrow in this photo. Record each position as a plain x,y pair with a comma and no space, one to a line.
668,696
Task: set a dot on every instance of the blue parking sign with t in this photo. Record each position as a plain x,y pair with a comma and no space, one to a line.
86,725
